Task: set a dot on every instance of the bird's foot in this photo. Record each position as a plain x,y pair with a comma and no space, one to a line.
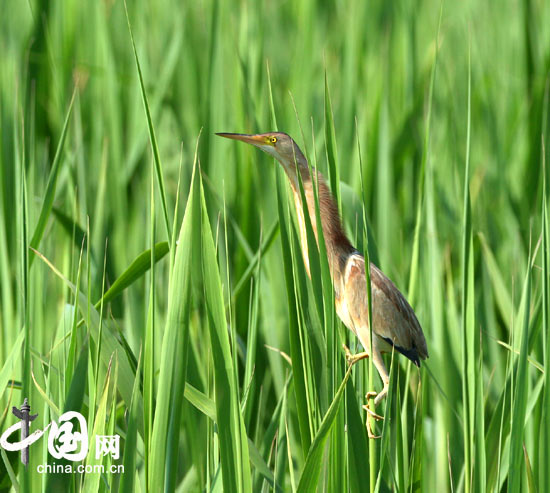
377,417
354,358
372,414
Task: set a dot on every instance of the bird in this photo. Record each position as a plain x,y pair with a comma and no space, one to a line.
395,325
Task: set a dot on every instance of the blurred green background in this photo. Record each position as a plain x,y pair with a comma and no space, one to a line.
415,91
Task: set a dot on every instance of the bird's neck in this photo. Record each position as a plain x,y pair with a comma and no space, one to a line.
337,244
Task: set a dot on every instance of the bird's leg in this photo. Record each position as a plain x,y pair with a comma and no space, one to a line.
382,394
366,407
379,364
371,414
354,358
378,396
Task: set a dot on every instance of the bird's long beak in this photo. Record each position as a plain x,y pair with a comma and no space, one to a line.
256,140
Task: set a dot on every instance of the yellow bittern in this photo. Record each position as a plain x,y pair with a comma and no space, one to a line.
395,325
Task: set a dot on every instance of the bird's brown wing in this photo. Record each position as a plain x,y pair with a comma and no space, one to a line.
394,319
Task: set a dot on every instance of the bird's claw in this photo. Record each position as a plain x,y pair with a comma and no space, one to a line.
354,358
349,356
371,395
377,396
377,417
372,415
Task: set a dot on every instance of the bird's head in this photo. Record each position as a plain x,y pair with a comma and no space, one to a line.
279,145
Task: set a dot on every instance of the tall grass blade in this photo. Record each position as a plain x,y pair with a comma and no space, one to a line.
49,196
312,468
299,377
520,395
130,456
7,371
231,431
357,446
173,363
110,338
425,154
140,265
544,479
149,366
91,480
151,128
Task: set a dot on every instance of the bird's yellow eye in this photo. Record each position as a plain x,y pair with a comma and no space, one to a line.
273,140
